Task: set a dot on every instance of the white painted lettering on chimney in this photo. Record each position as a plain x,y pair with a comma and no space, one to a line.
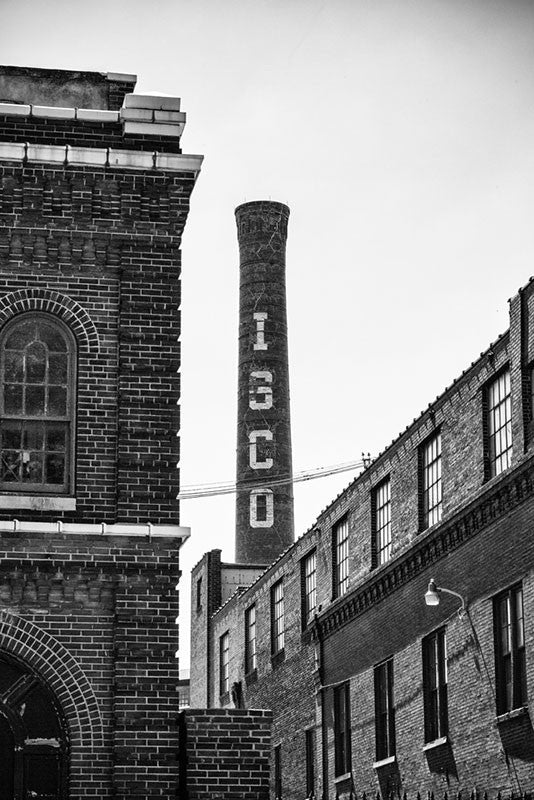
262,506
260,343
266,391
253,451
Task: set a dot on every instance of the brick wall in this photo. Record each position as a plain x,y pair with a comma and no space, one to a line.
225,754
481,546
88,609
95,617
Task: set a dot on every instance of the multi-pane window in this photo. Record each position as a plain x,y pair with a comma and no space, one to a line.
277,618
430,478
510,663
308,578
499,425
435,685
381,516
384,710
37,356
224,663
278,772
341,557
310,762
342,735
250,639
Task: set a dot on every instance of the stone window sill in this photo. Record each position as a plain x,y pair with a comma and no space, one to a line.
385,762
443,740
39,502
515,713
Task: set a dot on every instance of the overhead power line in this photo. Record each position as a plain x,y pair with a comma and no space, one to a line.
230,487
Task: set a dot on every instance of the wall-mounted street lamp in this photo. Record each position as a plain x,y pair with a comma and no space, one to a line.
432,596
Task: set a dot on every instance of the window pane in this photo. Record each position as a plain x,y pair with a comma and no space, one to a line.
55,438
32,467
57,401
10,466
11,433
35,363
55,469
53,338
32,436
21,336
35,400
13,367
57,368
13,398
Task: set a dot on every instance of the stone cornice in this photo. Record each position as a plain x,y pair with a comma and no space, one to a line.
500,497
103,157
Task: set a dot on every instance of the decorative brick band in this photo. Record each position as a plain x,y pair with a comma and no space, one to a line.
55,303
62,673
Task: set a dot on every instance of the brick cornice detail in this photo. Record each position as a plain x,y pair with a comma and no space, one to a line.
498,500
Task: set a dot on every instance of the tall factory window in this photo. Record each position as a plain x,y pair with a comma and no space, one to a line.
342,735
430,481
277,618
278,772
498,425
310,762
250,639
510,662
435,685
308,582
37,401
381,523
340,554
224,663
384,710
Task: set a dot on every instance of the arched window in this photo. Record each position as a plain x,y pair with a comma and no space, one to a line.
37,369
33,740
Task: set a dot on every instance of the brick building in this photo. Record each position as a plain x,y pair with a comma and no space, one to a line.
94,198
371,688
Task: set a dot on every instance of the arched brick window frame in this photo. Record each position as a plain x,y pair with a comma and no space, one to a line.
61,306
61,672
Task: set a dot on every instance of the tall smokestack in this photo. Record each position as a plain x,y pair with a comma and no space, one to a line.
264,504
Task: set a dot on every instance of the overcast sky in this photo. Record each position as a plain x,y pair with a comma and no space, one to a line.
401,135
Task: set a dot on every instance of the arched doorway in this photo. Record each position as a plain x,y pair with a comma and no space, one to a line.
33,742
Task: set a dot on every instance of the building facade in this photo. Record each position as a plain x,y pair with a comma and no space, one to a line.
94,198
371,688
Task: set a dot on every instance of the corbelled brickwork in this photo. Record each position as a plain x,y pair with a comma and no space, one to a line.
88,596
225,754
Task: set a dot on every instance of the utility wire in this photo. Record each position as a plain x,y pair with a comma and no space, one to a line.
230,487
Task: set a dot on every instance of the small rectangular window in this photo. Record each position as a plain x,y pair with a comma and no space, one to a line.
250,639
342,731
430,481
384,710
277,618
340,544
308,582
199,594
435,685
381,522
224,663
310,762
510,661
498,426
278,772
